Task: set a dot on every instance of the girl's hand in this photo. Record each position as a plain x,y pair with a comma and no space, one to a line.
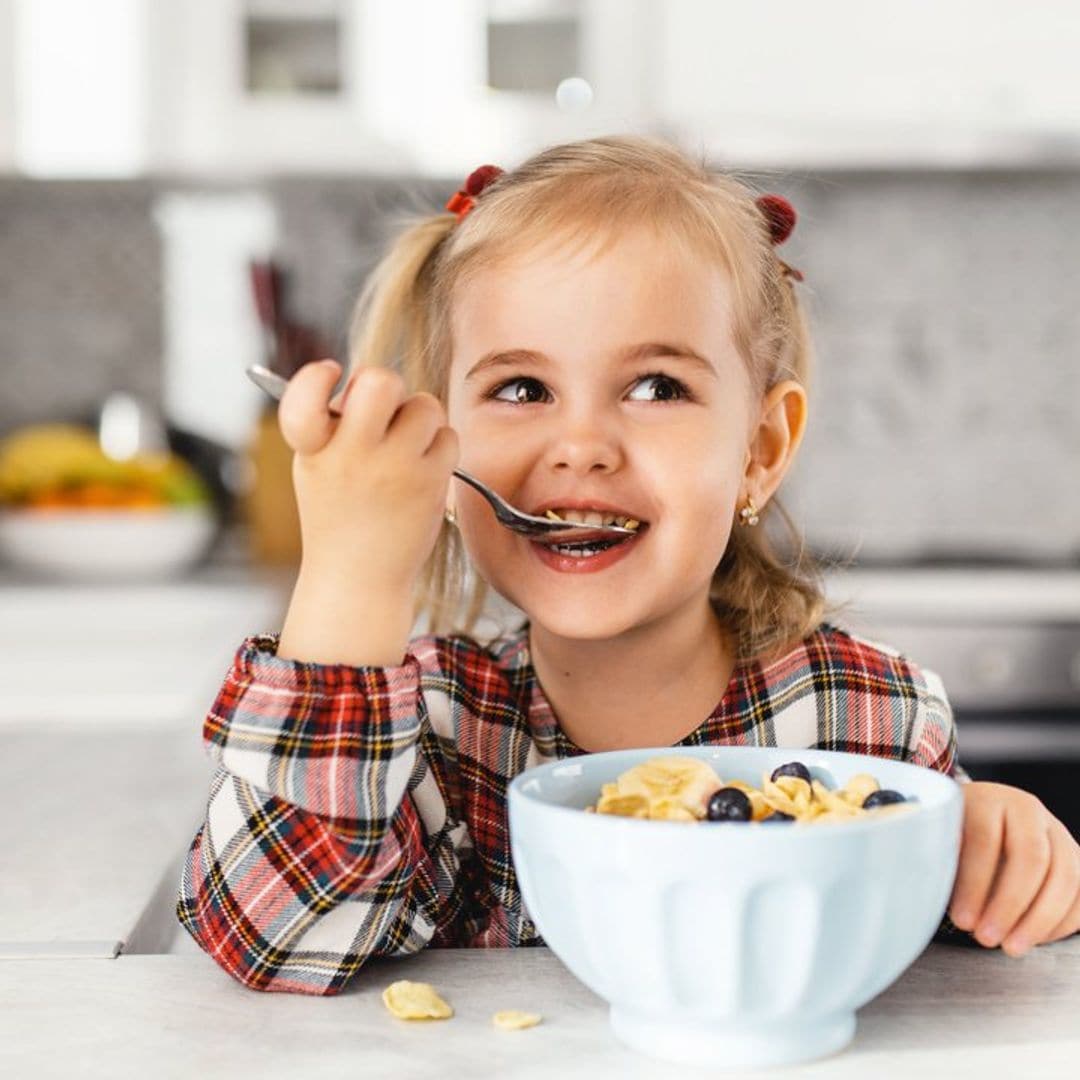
1018,884
370,487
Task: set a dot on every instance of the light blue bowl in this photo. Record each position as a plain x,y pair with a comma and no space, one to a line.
734,944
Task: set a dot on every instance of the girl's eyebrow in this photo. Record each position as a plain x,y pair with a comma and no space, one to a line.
647,351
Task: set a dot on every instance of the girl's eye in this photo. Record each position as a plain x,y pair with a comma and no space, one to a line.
664,388
520,391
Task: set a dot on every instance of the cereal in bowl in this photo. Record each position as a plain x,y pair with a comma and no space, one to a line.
688,789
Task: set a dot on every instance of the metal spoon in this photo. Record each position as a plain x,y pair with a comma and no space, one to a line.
510,516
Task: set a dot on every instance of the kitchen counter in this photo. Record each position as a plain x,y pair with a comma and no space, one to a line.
95,823
105,780
957,1012
150,653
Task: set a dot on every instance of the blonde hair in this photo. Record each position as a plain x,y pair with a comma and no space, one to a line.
593,189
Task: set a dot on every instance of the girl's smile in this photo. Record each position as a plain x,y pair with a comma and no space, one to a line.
589,553
585,558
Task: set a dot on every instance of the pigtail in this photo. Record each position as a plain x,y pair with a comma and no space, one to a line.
770,593
390,322
769,588
395,325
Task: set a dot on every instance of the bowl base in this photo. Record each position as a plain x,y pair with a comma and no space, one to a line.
720,1045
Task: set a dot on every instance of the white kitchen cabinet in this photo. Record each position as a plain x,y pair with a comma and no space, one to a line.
413,94
849,83
207,119
7,86
247,87
778,83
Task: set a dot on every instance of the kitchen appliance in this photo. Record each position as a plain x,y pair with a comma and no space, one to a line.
1006,642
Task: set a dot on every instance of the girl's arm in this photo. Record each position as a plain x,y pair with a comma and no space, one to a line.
328,837
325,842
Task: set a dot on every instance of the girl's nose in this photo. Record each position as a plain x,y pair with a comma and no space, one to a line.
583,445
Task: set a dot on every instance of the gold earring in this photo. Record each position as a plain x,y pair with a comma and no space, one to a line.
450,516
748,515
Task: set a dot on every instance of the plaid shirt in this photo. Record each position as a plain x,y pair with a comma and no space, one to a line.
362,811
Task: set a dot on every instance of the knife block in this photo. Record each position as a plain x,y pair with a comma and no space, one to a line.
270,505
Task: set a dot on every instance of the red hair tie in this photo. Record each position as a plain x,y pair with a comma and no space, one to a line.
780,217
461,202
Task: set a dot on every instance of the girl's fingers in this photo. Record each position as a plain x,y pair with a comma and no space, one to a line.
368,404
1055,899
1026,853
444,448
980,852
305,423
416,423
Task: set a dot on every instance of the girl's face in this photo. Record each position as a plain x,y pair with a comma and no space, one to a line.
600,381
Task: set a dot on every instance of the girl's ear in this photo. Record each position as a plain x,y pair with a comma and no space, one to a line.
773,445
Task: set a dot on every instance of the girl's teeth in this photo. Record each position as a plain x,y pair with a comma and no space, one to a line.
591,517
586,551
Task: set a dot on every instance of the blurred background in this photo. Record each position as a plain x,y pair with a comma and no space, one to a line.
191,186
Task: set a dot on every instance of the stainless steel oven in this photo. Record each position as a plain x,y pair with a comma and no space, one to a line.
1006,643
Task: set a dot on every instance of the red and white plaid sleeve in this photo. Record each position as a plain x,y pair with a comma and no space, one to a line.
327,838
932,738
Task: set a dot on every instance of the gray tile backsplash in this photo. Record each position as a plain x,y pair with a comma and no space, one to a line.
945,403
80,296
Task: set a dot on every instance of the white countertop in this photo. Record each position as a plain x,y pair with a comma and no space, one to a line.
94,821
957,1012
151,653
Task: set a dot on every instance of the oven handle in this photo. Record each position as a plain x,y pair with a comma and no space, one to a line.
1024,741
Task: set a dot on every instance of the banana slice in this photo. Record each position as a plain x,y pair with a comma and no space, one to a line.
623,805
674,788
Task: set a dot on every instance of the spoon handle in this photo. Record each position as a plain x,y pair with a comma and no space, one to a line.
273,384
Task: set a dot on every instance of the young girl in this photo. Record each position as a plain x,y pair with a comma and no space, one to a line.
606,330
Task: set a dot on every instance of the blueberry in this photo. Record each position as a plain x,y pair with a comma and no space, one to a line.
728,804
884,797
778,816
792,768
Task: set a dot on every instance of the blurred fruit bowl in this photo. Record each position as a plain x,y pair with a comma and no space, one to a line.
112,543
68,510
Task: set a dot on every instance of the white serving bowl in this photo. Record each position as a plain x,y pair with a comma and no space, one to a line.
734,944
113,545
